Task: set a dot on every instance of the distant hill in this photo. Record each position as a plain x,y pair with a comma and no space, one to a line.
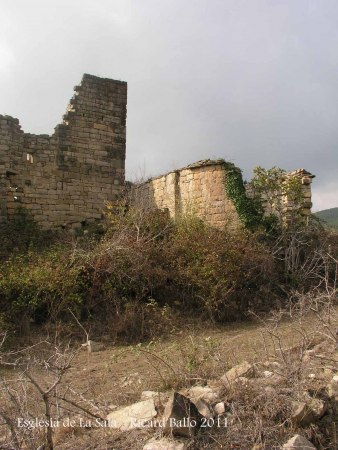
330,216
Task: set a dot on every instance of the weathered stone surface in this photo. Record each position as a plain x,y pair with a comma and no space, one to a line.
203,408
304,413
301,413
145,395
274,380
165,444
274,366
205,393
244,370
333,387
199,189
267,374
65,179
181,417
134,416
219,408
318,407
298,442
202,397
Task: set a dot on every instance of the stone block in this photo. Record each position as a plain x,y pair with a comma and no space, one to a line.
298,442
165,444
134,416
181,417
242,370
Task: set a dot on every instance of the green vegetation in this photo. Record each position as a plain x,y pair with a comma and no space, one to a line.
139,272
138,277
273,185
21,233
330,216
142,271
249,210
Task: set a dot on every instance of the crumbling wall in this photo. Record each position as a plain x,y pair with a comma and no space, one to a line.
306,193
197,189
65,179
289,209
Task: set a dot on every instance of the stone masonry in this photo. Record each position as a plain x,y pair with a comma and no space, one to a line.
65,179
199,189
288,206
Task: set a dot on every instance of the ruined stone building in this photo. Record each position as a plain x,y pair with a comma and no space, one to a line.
199,189
65,179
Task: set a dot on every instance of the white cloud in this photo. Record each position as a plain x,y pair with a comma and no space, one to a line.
7,59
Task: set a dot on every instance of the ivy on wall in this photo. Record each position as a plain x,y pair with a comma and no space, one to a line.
248,209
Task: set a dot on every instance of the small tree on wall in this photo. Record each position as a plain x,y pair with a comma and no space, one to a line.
280,193
294,240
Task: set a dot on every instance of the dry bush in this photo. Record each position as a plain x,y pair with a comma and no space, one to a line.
185,363
135,279
146,270
260,409
36,402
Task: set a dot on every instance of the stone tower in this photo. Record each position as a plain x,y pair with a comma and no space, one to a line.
65,179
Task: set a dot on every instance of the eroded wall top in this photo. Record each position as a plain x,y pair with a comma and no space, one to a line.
197,189
65,179
201,189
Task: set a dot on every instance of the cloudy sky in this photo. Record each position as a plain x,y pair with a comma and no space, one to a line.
252,81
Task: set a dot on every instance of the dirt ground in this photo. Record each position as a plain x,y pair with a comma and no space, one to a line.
117,375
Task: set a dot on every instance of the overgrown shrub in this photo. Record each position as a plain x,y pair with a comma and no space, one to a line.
143,259
40,285
218,274
144,270
22,233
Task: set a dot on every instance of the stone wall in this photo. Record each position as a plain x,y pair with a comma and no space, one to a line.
197,189
306,200
287,204
65,179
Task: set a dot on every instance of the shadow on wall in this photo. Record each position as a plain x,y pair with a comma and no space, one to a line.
200,189
197,189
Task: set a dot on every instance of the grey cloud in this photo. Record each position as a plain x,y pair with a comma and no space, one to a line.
252,81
